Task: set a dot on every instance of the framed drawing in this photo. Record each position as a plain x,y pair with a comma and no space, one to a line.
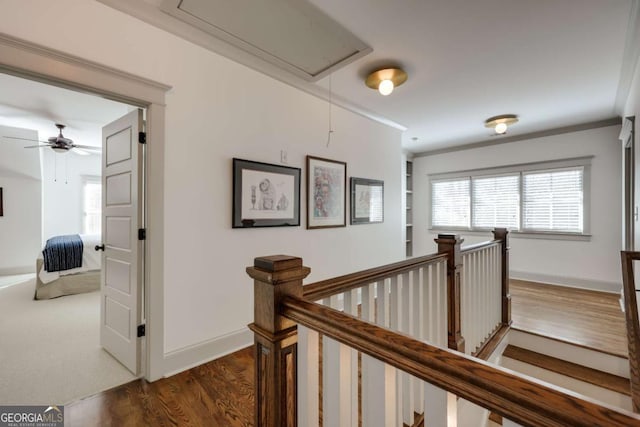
265,195
367,201
326,193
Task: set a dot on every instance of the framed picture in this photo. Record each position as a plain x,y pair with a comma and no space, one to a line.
265,195
367,201
326,193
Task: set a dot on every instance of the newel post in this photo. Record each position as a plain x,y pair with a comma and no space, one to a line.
502,234
450,245
275,277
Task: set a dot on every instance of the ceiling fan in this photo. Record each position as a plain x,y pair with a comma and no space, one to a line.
60,144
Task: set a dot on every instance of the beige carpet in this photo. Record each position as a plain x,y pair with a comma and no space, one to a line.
50,349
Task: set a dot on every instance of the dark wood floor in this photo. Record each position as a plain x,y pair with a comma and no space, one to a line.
582,317
220,393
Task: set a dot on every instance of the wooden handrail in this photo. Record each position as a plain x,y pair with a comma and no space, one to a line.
520,399
633,325
479,246
336,285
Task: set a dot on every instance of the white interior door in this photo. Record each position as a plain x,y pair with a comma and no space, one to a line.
121,296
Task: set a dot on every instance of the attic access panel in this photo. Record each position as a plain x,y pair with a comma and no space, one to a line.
294,35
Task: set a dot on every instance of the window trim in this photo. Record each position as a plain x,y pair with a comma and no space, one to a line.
584,162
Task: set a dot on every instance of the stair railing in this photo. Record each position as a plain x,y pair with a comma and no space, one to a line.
630,303
286,331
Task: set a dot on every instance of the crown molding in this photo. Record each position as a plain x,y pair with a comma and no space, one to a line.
532,135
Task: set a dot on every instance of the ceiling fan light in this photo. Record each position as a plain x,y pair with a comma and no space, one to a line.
59,150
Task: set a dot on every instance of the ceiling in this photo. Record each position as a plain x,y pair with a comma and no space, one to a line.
33,105
555,63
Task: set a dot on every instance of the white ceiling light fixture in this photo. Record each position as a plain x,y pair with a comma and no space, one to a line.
386,79
500,123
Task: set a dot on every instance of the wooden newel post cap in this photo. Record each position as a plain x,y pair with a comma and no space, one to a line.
275,277
449,238
276,269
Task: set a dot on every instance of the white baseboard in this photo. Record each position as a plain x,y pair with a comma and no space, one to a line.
18,270
189,357
572,282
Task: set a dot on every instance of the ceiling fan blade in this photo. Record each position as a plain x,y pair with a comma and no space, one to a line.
80,151
88,147
24,139
37,146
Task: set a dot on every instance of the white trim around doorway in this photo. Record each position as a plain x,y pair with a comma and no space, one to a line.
28,60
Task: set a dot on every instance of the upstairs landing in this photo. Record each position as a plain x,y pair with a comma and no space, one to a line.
580,317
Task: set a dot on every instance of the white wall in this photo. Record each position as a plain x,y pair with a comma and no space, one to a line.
218,110
20,227
592,264
62,190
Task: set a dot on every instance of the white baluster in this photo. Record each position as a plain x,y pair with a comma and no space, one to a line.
443,303
464,299
351,307
435,406
336,383
406,326
418,283
308,376
336,377
395,319
432,303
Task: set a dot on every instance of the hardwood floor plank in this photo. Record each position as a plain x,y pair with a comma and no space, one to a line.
582,373
583,317
218,393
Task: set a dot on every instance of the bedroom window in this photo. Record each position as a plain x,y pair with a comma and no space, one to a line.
538,198
92,205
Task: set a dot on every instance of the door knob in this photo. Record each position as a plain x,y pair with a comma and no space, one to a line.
100,247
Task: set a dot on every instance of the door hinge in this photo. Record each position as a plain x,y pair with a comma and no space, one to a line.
142,330
142,234
142,137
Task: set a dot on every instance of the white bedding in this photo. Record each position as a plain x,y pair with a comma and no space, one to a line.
91,260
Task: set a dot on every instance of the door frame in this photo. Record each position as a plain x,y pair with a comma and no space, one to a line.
31,61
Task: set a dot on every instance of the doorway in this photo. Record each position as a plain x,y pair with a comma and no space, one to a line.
57,336
26,59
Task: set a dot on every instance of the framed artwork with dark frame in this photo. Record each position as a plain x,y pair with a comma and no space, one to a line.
265,195
367,201
1,209
326,193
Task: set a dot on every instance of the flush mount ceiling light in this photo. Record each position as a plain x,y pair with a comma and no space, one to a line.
500,123
386,80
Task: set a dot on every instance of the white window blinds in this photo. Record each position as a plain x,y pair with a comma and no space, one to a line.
496,201
553,200
450,203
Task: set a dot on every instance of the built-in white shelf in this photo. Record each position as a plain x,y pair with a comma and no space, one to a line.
408,214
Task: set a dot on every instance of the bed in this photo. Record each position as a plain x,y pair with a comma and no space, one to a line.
70,281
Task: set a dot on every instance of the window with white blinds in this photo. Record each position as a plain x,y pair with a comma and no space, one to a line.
450,203
545,197
496,201
553,200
